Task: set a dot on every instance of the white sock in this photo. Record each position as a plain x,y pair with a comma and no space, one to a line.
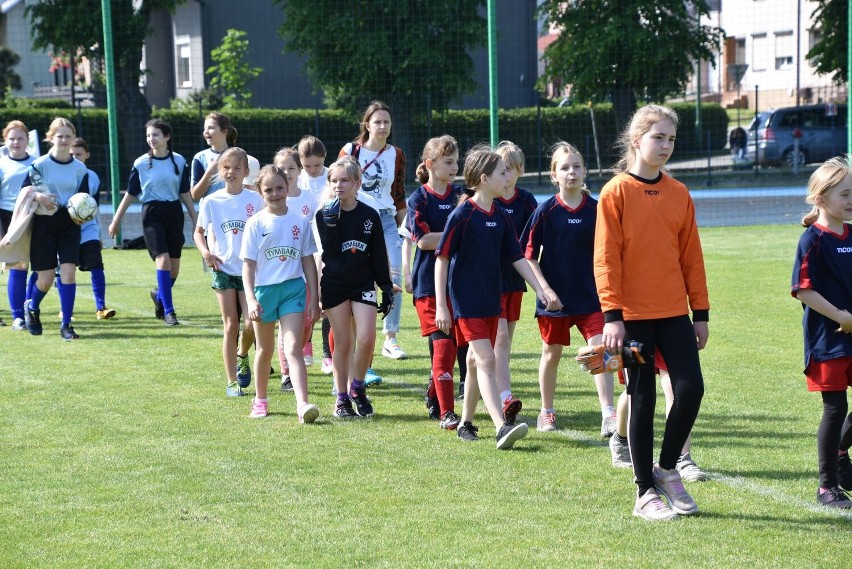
607,411
505,394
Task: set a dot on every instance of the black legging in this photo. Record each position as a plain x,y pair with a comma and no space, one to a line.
675,339
833,434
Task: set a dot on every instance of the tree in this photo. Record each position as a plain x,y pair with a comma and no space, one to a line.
626,50
75,26
8,78
414,55
828,55
231,74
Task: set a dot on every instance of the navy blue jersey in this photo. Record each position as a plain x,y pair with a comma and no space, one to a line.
563,241
824,264
62,179
156,180
519,207
427,213
477,242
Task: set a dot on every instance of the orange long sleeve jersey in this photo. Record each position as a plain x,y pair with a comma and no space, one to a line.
648,260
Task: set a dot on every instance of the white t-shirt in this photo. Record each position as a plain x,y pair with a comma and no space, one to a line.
313,186
277,243
378,176
303,204
224,217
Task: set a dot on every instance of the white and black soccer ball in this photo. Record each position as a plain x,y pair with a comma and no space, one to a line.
82,208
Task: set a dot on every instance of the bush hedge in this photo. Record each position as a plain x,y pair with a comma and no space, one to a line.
263,131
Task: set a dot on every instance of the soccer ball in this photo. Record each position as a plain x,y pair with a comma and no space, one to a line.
82,208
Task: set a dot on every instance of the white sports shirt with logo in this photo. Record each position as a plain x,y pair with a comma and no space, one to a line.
225,216
277,243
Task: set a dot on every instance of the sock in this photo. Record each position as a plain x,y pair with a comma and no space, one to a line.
342,397
326,328
99,288
607,411
17,290
505,395
619,438
431,391
31,284
67,294
357,384
259,400
57,282
442,373
37,296
164,284
461,357
547,410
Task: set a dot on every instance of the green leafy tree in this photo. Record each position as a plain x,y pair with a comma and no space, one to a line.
230,75
414,55
828,55
627,50
76,26
8,78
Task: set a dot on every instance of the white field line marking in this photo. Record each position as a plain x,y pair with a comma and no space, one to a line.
732,481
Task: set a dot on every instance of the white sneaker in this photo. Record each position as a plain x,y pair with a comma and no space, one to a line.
391,349
669,484
18,324
608,426
308,412
689,471
620,453
546,422
651,507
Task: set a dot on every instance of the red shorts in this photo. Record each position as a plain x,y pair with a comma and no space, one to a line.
510,305
469,329
556,330
831,375
426,311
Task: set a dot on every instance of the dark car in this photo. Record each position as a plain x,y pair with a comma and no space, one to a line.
822,128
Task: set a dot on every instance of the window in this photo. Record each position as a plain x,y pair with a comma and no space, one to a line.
741,51
760,52
183,53
785,49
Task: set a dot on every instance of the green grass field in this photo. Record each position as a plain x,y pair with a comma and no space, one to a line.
121,449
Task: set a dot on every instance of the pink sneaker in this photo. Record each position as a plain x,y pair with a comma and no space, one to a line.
327,367
259,409
308,352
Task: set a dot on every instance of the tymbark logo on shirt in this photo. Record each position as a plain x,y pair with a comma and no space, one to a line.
283,253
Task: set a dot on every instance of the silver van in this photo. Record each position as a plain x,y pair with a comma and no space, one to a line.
823,134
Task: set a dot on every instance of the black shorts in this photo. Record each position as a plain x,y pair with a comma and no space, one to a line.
5,221
333,294
54,236
90,256
162,227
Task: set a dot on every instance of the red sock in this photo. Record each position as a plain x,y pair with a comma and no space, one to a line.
443,360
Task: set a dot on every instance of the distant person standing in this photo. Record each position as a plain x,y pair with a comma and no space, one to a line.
383,189
738,139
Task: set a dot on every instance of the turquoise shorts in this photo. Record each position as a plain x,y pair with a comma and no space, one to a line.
281,299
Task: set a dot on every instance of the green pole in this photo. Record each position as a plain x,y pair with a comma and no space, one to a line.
492,71
112,107
698,137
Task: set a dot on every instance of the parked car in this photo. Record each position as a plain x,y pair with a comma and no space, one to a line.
823,134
